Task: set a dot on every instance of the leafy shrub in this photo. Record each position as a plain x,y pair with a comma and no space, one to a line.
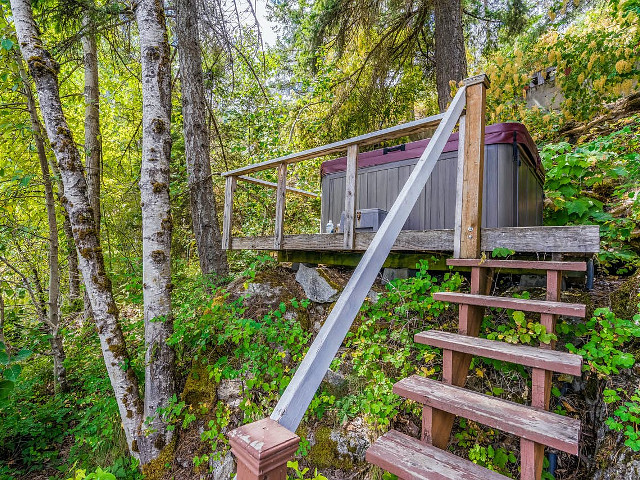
382,349
603,336
580,179
626,417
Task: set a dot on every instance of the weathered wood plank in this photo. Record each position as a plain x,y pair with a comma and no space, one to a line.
258,181
296,398
563,239
281,199
525,240
410,459
519,264
473,169
533,424
351,177
552,360
523,304
227,217
401,130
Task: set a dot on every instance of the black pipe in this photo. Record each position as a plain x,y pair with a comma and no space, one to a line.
590,274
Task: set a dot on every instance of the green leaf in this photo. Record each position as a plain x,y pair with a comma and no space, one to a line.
6,43
22,355
6,386
11,373
579,207
4,358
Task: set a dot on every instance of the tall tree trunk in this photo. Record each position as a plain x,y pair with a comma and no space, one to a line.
3,339
72,259
72,254
451,59
156,221
44,70
196,138
92,144
53,309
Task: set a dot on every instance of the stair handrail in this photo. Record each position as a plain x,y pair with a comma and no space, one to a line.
299,393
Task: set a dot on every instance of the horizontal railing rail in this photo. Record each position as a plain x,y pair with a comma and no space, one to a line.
371,138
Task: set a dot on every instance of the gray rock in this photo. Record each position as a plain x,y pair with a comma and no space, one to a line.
533,281
230,392
391,274
264,290
353,441
336,383
335,379
223,468
316,288
373,296
626,467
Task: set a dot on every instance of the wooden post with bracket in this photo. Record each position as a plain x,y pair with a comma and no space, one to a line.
437,424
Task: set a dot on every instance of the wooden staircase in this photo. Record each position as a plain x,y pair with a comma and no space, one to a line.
426,458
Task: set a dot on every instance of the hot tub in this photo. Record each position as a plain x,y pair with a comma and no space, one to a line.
513,181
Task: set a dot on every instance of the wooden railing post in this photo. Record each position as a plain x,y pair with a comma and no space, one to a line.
281,197
351,191
262,450
473,169
437,424
227,218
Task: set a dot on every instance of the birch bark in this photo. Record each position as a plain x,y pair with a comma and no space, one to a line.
156,222
92,144
197,145
44,71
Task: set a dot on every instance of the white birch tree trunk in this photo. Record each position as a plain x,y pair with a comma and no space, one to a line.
44,70
92,144
156,222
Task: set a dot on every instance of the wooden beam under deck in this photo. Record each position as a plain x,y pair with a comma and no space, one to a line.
578,239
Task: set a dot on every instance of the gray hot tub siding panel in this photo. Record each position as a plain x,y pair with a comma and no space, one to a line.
378,186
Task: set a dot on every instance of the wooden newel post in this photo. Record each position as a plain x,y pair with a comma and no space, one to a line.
349,227
227,219
437,424
281,195
262,450
473,168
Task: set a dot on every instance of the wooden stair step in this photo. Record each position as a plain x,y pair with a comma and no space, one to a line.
519,264
526,305
411,459
545,359
526,422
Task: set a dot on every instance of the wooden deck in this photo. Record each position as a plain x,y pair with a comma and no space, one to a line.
576,240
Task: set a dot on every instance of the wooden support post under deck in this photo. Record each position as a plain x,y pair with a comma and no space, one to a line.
280,206
531,453
351,177
437,424
227,218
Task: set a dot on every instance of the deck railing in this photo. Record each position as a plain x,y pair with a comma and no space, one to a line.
351,146
262,447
